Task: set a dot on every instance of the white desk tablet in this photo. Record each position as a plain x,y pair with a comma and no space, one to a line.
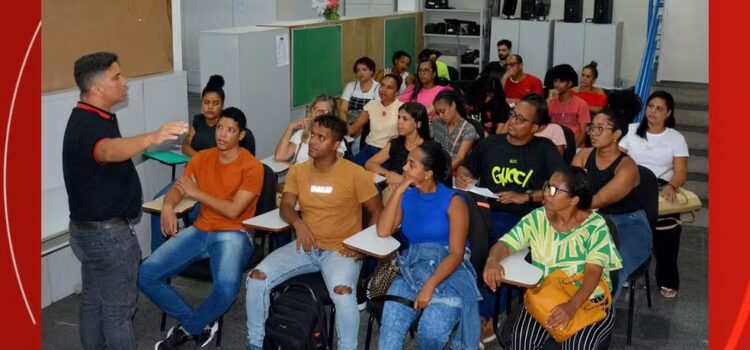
275,165
186,204
270,221
518,272
368,242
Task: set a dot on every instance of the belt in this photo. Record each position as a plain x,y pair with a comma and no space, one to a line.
102,225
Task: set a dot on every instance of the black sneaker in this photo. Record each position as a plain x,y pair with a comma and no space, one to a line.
207,335
176,337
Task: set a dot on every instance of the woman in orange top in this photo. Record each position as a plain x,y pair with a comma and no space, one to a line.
594,96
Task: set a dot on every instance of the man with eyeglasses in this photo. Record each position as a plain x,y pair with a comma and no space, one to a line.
514,167
518,84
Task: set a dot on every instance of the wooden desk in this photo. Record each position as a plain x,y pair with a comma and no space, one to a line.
154,207
520,273
368,242
270,221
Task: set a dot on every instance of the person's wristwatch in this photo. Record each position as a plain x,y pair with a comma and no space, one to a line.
530,193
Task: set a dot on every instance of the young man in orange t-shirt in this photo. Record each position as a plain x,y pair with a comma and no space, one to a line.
331,193
226,180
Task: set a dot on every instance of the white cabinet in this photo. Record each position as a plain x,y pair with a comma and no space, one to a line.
603,44
368,7
531,39
568,46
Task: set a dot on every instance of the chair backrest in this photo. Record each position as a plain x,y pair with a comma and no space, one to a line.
479,231
267,197
249,141
570,144
648,192
613,275
453,73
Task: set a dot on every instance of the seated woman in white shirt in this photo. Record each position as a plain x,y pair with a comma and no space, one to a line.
293,145
382,116
655,144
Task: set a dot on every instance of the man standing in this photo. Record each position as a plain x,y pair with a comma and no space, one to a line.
518,84
227,181
513,166
497,68
104,197
331,192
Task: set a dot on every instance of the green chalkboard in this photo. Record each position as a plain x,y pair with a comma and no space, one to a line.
316,63
400,34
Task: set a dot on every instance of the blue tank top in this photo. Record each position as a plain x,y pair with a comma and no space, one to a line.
425,215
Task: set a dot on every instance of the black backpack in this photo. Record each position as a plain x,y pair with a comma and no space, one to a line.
296,320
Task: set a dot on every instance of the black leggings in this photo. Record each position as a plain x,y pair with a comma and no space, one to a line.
666,247
529,334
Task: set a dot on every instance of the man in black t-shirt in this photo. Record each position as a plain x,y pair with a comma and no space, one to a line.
104,196
497,68
515,167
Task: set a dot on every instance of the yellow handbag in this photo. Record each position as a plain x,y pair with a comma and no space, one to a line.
557,288
687,203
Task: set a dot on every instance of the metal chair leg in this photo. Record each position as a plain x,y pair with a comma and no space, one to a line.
631,306
218,332
370,321
331,326
648,289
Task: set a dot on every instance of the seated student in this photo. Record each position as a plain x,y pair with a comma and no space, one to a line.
401,62
413,129
497,68
435,220
382,116
357,93
594,96
433,55
550,130
202,135
563,234
331,192
565,108
293,145
486,104
518,84
226,180
452,130
614,178
424,88
513,166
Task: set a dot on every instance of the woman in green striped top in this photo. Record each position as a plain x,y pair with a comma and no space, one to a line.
563,234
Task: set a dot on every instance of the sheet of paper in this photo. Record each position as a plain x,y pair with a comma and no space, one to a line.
282,50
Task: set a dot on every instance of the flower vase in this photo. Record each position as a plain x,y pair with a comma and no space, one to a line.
331,14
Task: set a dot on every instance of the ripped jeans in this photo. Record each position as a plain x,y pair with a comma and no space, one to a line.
285,263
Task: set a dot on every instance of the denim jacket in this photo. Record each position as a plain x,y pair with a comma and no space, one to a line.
458,290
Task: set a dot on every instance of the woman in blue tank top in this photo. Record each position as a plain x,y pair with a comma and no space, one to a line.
435,271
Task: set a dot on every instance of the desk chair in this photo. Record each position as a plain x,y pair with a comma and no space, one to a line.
201,270
479,233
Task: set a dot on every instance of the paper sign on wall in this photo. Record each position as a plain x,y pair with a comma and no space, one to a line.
282,50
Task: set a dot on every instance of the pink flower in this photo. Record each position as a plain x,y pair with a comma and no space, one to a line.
333,4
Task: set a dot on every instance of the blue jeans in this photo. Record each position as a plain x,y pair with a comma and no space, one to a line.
502,222
285,263
109,269
229,253
435,325
365,153
634,243
157,239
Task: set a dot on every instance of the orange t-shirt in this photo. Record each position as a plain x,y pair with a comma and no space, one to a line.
331,201
223,181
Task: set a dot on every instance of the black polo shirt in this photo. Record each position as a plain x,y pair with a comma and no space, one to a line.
97,191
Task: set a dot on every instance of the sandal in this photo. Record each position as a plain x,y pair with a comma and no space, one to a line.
668,292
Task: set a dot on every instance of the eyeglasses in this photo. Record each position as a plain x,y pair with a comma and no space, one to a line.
552,189
511,64
594,130
517,118
319,111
